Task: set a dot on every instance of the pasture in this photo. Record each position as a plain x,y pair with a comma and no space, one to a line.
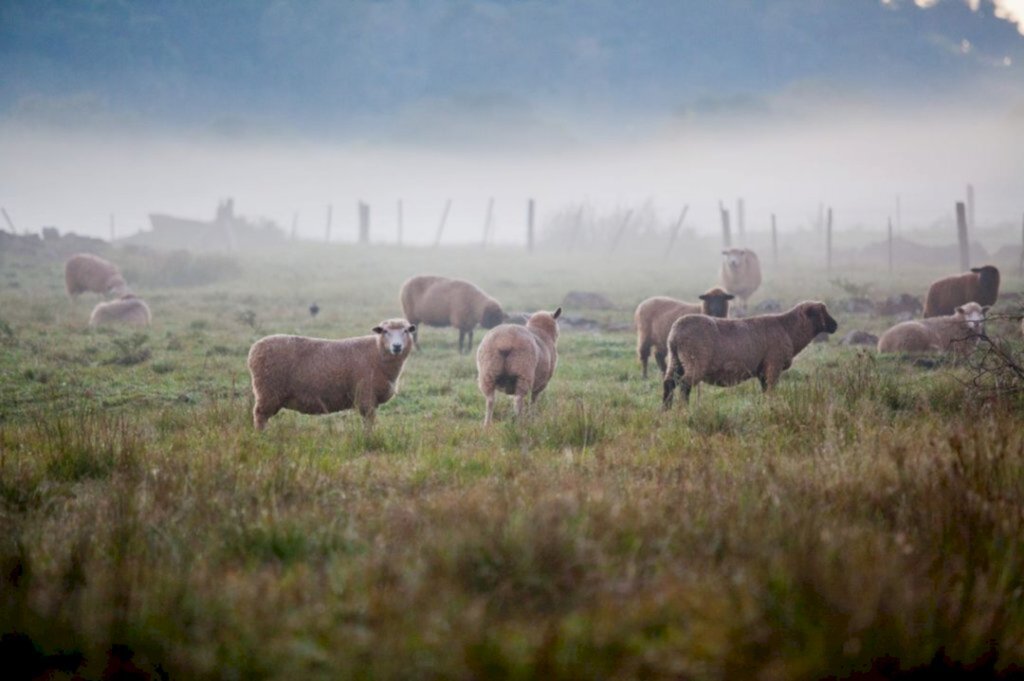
867,518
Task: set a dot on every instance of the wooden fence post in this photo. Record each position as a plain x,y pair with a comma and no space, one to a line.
741,221
961,236
775,242
828,241
364,223
674,232
399,220
440,225
7,219
890,247
726,232
529,226
327,234
488,219
970,207
113,229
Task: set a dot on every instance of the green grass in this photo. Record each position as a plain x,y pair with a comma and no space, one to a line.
867,517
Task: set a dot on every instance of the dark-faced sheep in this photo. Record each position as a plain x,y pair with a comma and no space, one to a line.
740,273
653,319
88,272
726,352
320,376
518,360
957,332
128,309
980,285
440,301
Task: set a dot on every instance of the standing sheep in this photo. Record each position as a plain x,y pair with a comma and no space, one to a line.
319,376
980,285
956,332
88,272
519,360
740,273
654,317
440,301
127,309
726,352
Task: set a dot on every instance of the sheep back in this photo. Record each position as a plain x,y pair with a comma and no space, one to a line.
87,272
125,310
519,359
980,285
440,301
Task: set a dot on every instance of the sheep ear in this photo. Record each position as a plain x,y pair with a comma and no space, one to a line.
976,269
702,296
378,329
411,329
728,296
985,309
960,310
557,313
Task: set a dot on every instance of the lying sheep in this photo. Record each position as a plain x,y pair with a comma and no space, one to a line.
980,285
654,317
319,376
440,301
88,272
519,360
127,309
729,351
740,273
957,332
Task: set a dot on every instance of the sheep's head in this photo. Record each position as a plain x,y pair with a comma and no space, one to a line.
988,276
545,321
973,316
821,320
734,257
394,336
716,302
492,315
116,285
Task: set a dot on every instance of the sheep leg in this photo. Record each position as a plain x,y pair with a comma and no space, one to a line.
369,413
659,357
416,336
489,413
673,373
260,416
462,334
644,352
469,345
520,402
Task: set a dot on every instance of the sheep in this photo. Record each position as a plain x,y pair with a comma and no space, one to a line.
956,332
440,301
128,309
654,317
321,376
740,273
980,285
518,360
726,352
88,272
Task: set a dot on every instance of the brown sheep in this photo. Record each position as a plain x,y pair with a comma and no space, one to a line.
956,332
320,376
980,285
729,351
127,309
88,272
653,319
519,360
740,273
440,301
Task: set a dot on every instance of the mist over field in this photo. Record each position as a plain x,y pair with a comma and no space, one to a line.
291,107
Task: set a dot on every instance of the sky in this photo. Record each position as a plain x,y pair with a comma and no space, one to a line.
125,108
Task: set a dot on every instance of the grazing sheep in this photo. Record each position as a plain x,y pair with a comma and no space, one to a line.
654,317
980,285
127,309
956,332
88,272
741,273
319,376
518,360
440,301
729,351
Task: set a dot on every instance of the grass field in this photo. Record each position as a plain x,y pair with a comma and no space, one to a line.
866,519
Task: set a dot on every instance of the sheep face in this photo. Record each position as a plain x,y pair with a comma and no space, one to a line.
492,316
987,275
821,320
734,257
395,336
717,303
974,316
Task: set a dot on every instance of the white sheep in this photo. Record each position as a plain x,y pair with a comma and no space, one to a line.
740,273
128,309
320,376
957,332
